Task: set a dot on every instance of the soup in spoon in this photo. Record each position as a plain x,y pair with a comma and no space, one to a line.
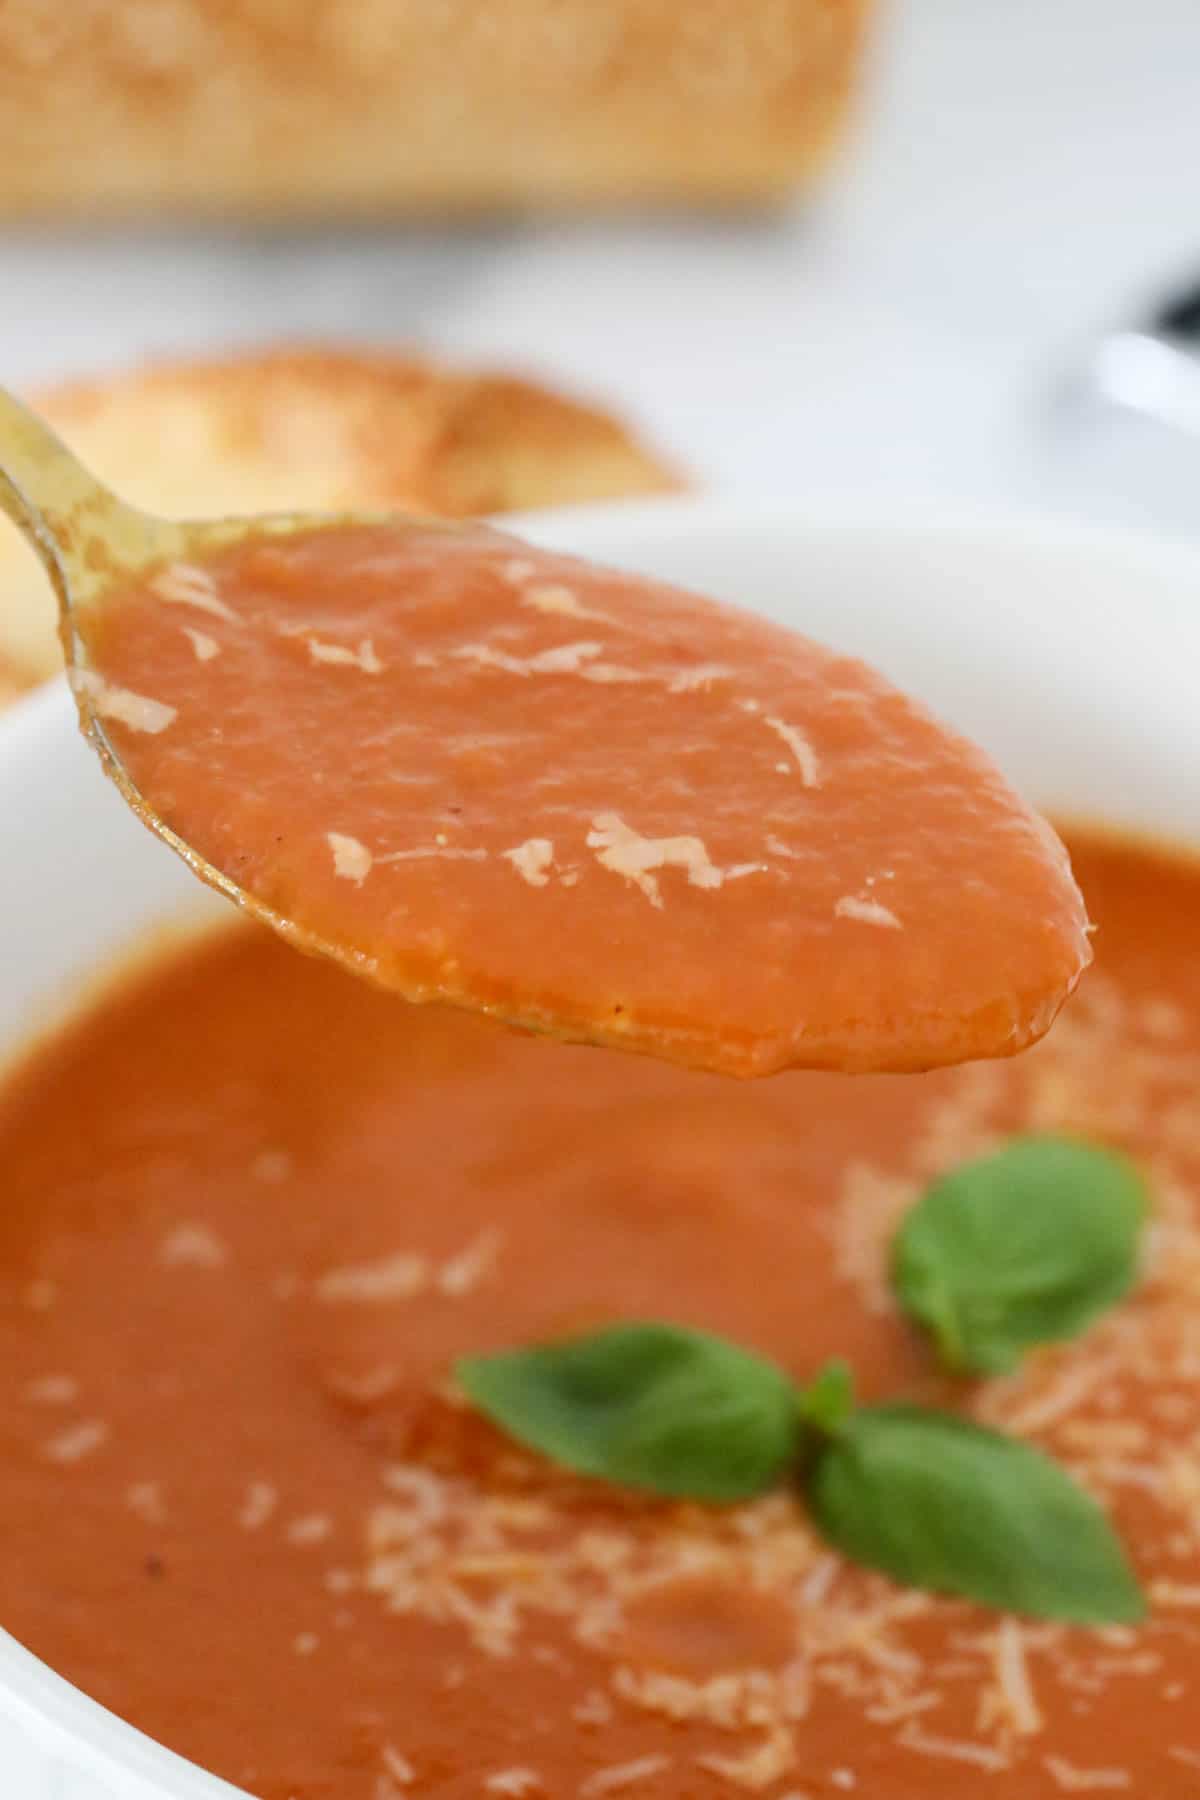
482,773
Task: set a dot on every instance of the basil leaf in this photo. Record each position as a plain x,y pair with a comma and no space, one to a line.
940,1503
648,1406
1021,1248
828,1400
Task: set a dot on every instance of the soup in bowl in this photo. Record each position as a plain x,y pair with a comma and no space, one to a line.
252,1530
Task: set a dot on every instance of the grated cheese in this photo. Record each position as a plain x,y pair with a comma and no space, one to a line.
699,678
145,1500
395,1277
464,1272
134,710
532,859
52,1390
806,757
1085,1781
625,852
310,1528
981,1756
363,657
76,1442
1013,1683
517,1782
352,860
552,597
562,659
397,1766
759,1766
194,1246
205,647
623,1775
257,1507
184,584
449,852
594,1709
866,911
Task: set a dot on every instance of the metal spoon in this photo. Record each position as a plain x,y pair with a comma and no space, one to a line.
318,797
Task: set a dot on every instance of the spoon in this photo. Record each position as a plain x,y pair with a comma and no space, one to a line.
479,772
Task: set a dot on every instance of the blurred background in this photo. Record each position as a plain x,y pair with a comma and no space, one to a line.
619,197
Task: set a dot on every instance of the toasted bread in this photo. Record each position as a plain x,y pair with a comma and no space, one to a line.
318,430
276,110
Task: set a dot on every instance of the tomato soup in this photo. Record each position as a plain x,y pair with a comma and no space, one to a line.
587,802
254,1211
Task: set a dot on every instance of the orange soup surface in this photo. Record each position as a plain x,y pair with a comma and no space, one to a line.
253,1212
479,772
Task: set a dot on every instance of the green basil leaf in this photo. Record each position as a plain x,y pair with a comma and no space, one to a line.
940,1503
1021,1248
828,1400
647,1406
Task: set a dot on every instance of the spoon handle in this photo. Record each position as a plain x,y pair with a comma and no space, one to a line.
43,487
81,531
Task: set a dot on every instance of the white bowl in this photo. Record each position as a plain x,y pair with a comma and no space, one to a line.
1073,655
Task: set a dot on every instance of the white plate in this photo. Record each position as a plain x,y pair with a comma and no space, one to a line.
1073,655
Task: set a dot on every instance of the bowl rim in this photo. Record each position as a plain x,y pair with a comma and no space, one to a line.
74,1742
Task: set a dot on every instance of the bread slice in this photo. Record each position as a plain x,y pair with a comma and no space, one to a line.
320,430
285,108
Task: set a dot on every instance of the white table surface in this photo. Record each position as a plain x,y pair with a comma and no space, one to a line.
1023,172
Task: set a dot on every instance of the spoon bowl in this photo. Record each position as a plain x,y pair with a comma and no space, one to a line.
589,804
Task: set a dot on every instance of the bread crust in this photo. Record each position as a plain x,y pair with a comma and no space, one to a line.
320,429
378,106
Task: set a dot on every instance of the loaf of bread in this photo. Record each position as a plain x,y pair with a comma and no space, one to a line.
327,106
316,430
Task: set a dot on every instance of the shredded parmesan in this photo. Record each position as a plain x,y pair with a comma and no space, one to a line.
1085,1781
397,1766
517,1782
619,848
310,1528
1013,1680
552,597
623,1775
463,1273
183,584
192,1246
699,678
77,1441
145,1500
134,710
563,659
449,852
52,1390
352,861
866,911
395,1277
981,1756
594,1709
759,1766
363,657
806,757
205,647
532,859
258,1506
